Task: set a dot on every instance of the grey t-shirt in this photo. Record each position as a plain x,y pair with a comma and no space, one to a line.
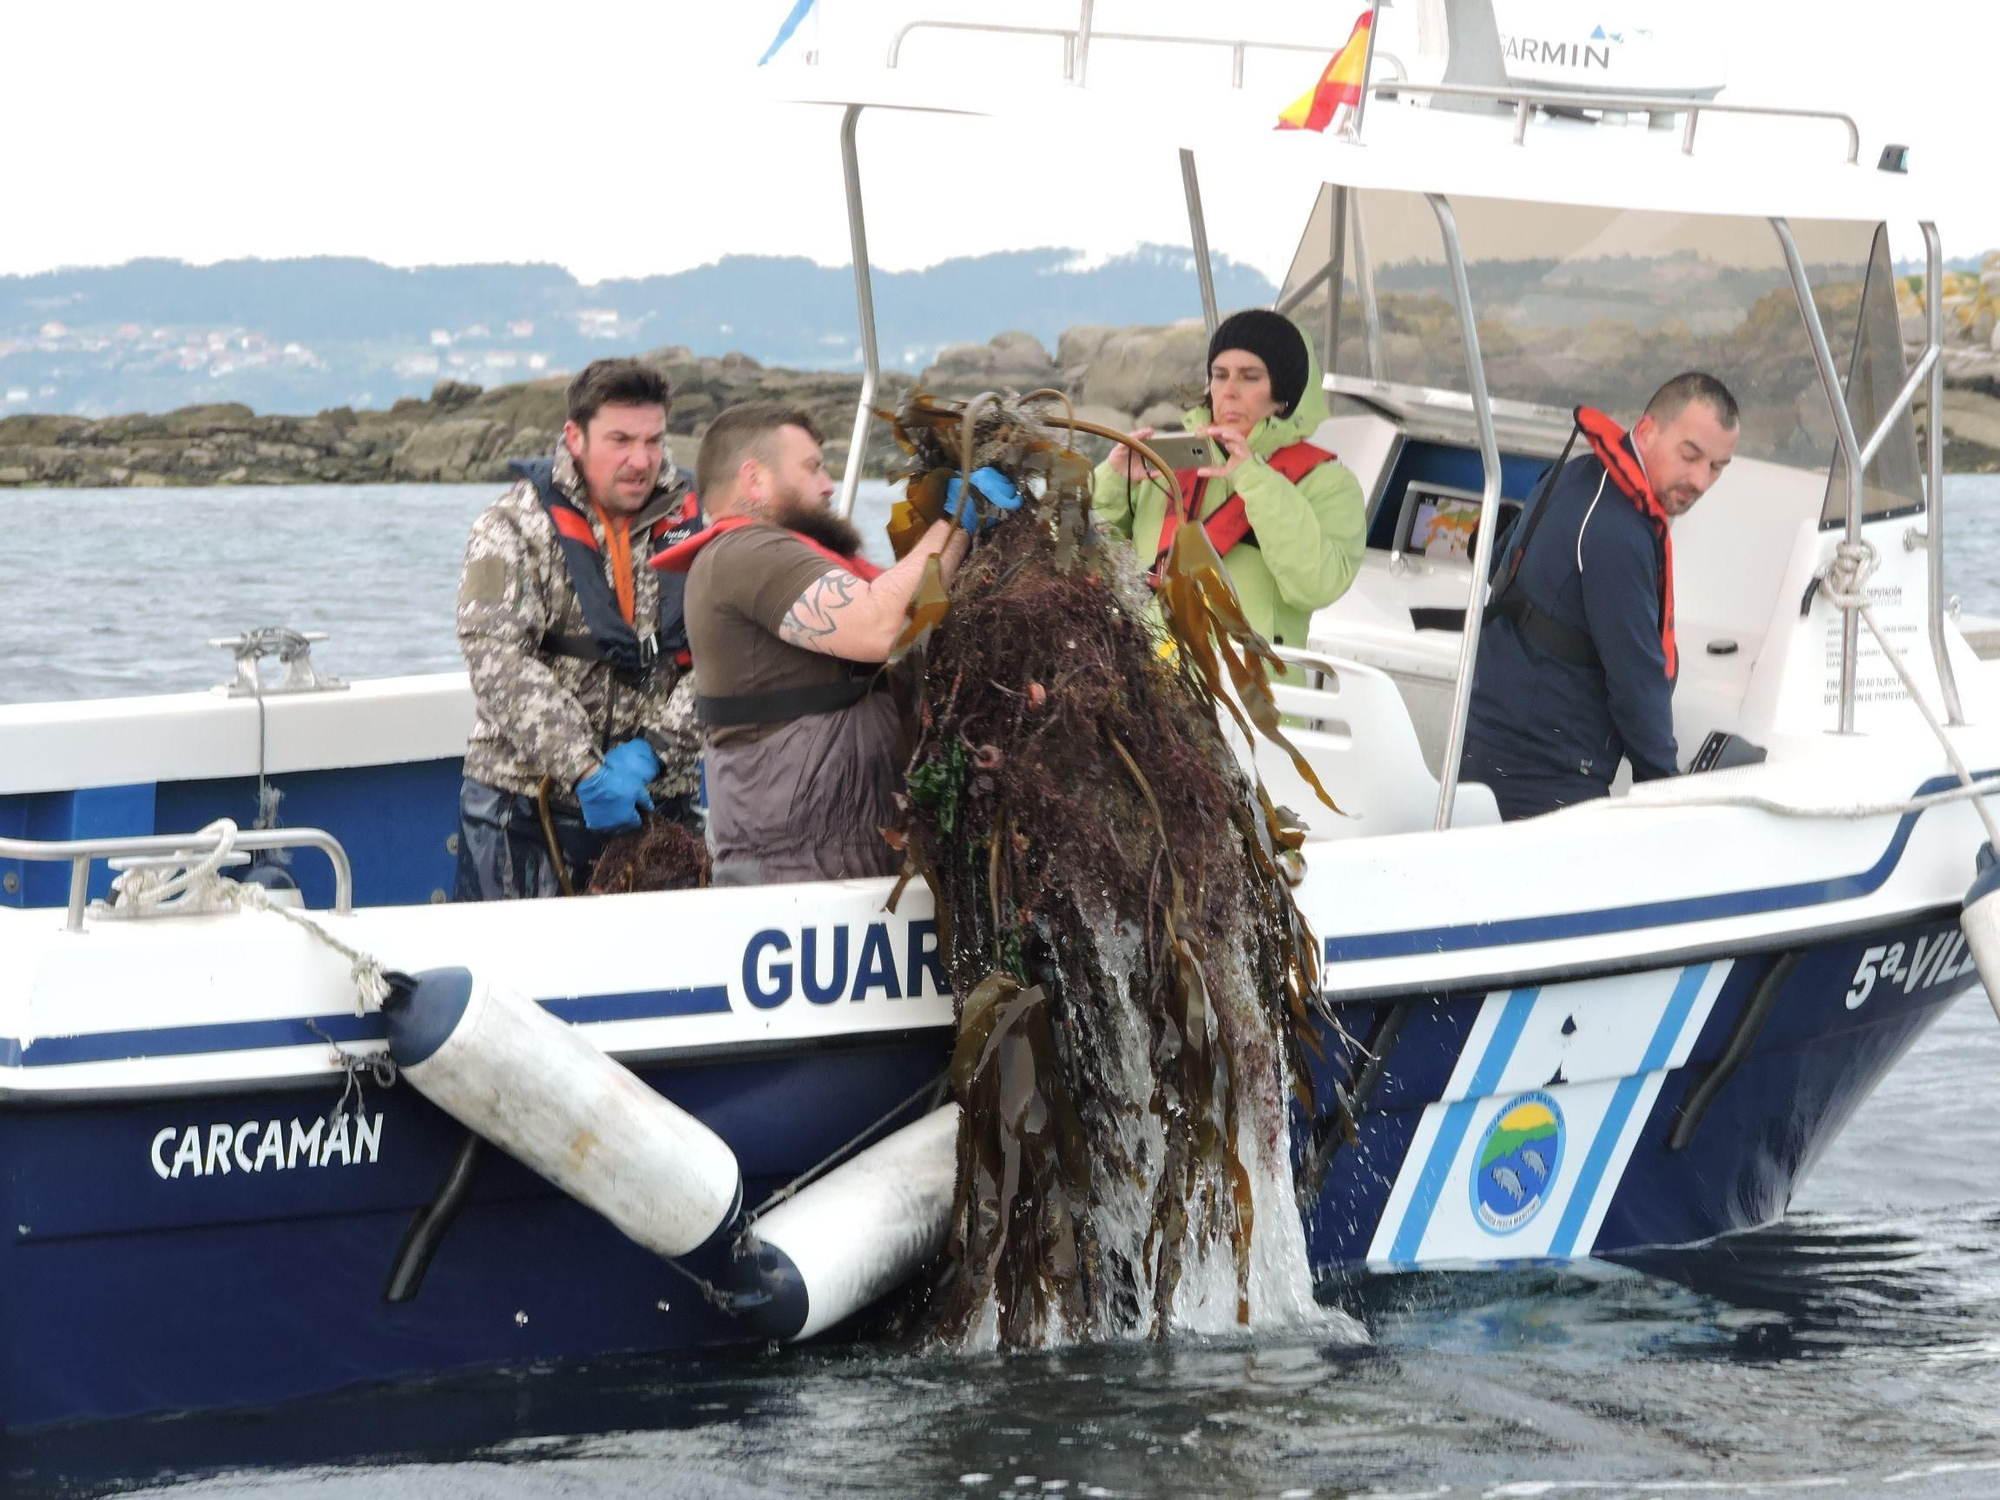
740,589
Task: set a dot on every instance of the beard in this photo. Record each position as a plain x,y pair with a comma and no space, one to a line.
817,523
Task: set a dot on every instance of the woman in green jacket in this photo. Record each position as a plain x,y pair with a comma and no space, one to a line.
1306,533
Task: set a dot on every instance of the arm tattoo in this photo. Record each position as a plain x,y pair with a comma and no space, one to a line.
812,618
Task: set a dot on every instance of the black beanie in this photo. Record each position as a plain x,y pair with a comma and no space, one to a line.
1272,338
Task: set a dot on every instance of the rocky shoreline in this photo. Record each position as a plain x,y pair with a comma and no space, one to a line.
463,434
1121,377
460,434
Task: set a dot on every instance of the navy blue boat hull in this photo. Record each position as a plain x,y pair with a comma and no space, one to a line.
204,1253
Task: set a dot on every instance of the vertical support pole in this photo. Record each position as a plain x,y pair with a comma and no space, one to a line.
1934,464
1083,45
1489,511
1329,355
1198,230
1850,451
864,300
1367,73
79,892
1364,284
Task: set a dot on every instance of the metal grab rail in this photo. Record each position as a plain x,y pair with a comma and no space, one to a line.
1204,268
1526,100
1489,511
1077,40
80,853
1844,436
1858,455
864,296
1934,460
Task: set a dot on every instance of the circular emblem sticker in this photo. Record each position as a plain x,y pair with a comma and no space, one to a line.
1517,1162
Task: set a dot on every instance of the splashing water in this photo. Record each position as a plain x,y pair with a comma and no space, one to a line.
1136,988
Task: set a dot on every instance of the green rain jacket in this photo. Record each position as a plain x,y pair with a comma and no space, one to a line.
1307,538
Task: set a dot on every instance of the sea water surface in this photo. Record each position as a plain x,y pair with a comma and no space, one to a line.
1853,1350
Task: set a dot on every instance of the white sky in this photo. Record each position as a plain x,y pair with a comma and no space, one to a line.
600,134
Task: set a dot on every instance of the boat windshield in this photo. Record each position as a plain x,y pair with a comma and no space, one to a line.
1597,306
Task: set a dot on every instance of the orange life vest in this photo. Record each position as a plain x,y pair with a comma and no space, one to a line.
1607,441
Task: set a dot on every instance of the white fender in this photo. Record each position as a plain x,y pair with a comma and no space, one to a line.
855,1234
534,1086
1980,922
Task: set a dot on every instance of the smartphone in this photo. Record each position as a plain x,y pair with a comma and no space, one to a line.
1183,450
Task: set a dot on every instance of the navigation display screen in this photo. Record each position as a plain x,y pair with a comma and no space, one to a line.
1443,526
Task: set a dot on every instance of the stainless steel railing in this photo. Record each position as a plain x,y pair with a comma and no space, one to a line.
1489,511
1526,100
864,297
1932,364
1856,454
80,853
1077,41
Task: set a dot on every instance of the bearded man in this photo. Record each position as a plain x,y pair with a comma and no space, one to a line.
575,656
788,625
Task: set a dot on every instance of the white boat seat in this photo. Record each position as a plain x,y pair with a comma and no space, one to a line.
1355,731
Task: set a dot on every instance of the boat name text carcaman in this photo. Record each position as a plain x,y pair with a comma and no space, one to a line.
256,1144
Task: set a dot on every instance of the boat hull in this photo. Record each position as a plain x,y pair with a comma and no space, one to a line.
233,1248
1650,1108
125,1291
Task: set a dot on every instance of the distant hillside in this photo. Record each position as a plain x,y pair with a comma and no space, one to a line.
295,336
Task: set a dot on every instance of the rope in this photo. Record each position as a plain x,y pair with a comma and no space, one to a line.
195,884
715,1295
200,888
378,1067
1981,786
839,1153
371,982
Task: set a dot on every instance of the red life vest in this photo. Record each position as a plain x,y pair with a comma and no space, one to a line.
1230,525
680,557
778,705
1607,441
610,636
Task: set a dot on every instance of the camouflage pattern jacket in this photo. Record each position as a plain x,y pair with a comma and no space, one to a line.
544,714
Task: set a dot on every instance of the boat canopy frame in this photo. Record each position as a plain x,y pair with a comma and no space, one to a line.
1857,451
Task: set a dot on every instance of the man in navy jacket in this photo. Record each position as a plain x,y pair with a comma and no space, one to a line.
1577,658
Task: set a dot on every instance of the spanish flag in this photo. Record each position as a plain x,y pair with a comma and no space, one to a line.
1339,84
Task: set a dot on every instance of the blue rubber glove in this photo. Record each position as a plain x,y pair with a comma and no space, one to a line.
995,487
635,757
611,797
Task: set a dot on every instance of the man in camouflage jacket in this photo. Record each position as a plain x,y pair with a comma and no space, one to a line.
576,650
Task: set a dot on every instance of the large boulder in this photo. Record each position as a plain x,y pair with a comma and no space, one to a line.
1012,361
451,451
1132,368
1080,345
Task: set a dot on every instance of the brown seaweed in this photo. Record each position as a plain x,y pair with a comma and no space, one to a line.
659,855
1135,984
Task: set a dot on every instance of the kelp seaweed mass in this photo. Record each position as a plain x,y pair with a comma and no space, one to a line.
1136,991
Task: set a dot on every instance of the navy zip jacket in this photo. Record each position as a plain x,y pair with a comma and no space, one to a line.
1594,565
